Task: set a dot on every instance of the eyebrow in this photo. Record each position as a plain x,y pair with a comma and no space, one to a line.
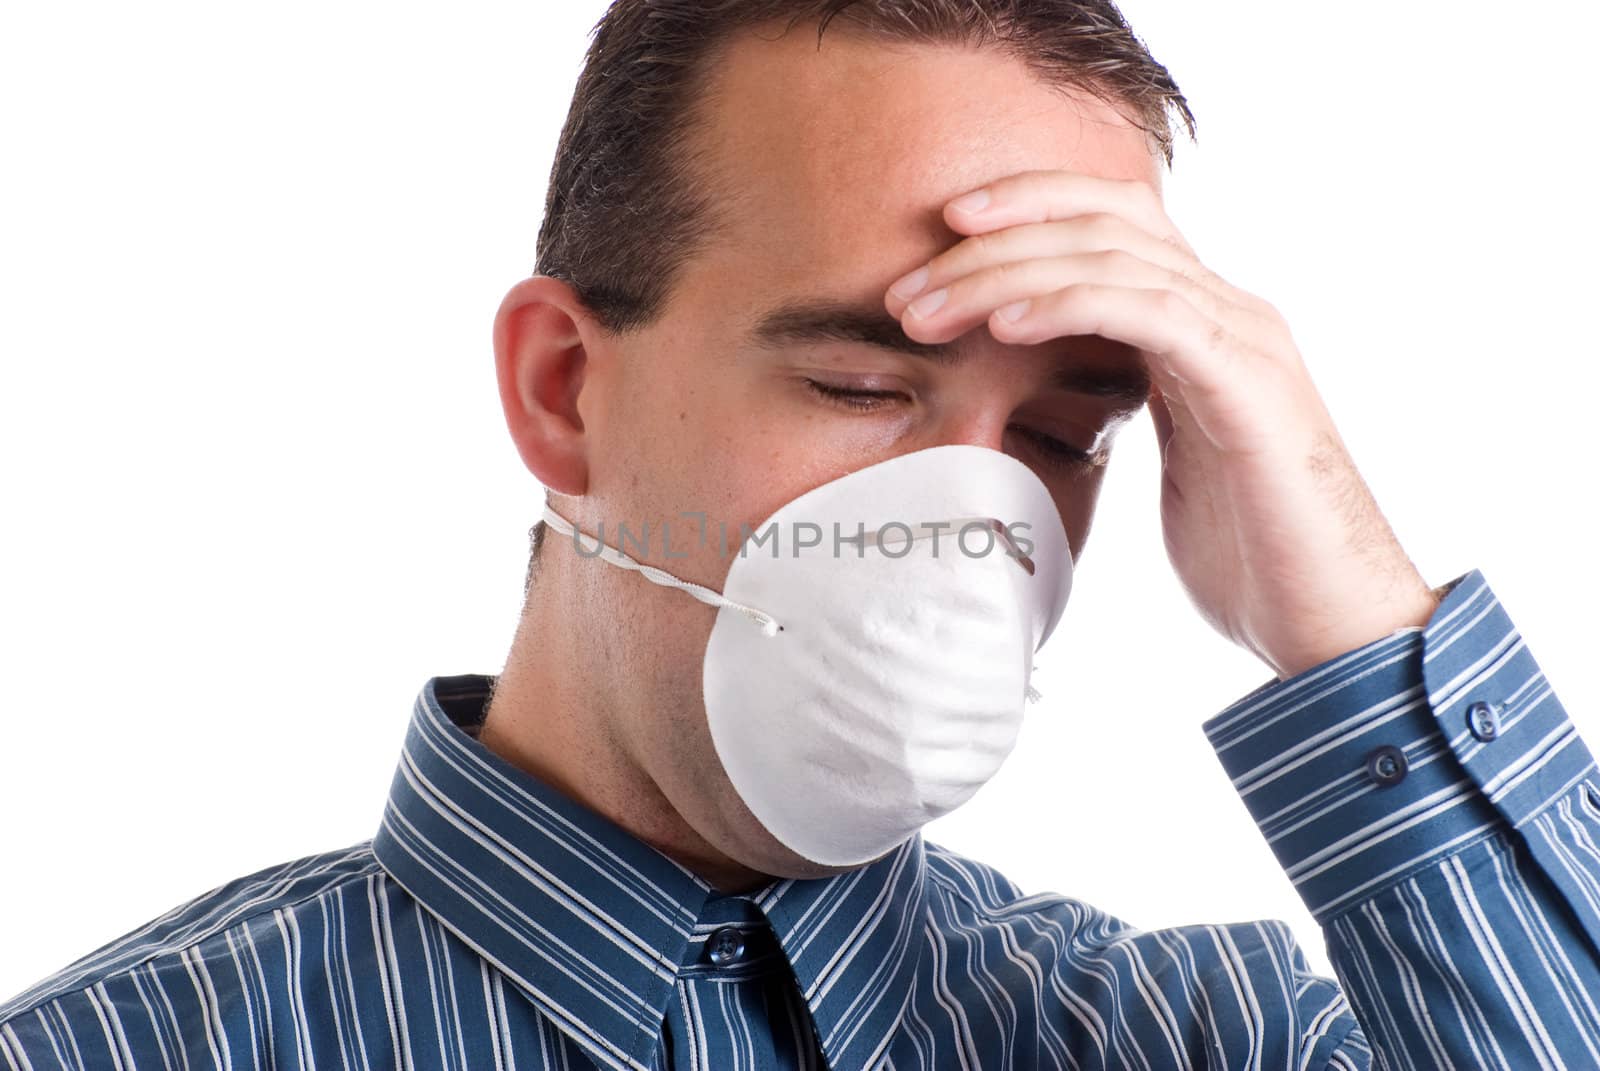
836,321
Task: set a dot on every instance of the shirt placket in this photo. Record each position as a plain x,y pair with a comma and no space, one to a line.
736,1006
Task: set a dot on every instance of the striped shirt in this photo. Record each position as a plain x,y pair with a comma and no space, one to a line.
1426,793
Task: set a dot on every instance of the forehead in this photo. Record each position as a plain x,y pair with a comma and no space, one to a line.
831,163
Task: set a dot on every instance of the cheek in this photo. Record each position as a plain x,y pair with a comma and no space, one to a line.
659,449
1076,500
732,454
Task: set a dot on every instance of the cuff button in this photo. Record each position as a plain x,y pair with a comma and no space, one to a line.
1386,766
1483,719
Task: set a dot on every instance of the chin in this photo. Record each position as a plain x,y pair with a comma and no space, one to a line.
759,850
716,812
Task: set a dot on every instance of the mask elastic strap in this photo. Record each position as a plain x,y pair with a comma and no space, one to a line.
769,624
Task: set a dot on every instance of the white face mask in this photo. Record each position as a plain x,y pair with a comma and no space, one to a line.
857,688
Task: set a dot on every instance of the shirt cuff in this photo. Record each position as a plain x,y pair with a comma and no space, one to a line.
1363,769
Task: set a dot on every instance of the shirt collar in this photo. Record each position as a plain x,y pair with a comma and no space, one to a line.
593,924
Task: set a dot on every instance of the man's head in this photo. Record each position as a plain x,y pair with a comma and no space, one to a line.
737,184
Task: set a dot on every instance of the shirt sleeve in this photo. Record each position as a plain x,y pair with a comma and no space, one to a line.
1440,817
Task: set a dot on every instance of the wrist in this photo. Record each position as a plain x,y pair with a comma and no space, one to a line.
1415,611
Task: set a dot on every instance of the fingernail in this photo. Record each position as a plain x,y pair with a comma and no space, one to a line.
1015,311
928,304
911,285
976,201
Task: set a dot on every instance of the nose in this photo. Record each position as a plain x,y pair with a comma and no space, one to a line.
974,424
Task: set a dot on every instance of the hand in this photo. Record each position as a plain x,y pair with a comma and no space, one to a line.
1269,526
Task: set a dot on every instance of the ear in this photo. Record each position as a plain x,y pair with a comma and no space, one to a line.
541,335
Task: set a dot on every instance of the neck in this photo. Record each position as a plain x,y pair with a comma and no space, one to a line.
553,716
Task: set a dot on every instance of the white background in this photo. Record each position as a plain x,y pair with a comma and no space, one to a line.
257,488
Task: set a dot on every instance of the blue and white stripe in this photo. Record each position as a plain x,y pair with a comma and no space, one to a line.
1462,903
493,923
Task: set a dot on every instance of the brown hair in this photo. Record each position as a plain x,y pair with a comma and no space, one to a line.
624,211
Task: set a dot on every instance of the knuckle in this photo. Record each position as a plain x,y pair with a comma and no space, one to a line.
1171,305
1273,320
1216,336
1101,225
982,287
1038,181
982,248
1068,301
1119,261
1005,273
1186,278
1271,313
1176,242
1137,189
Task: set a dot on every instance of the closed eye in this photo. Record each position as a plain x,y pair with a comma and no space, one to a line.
1051,450
1062,453
853,397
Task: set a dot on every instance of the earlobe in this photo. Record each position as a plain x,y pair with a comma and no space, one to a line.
540,363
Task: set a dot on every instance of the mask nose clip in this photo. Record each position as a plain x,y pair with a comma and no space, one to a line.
1014,551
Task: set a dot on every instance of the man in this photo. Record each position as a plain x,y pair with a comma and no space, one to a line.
807,258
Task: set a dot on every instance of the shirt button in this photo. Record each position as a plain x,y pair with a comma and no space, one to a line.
1387,765
1484,720
725,946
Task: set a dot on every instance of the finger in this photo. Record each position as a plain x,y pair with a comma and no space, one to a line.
951,311
1196,351
1095,232
1046,195
1092,233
